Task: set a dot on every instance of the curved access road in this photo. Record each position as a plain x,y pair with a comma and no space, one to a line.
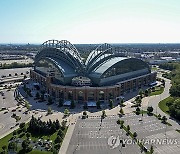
154,101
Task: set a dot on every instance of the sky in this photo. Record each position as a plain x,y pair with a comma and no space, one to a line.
90,21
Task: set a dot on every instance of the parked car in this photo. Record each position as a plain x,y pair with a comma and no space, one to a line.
13,110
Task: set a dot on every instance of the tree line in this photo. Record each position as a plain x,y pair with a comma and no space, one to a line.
37,126
15,65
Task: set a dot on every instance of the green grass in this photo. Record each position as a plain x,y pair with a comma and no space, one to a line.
162,104
158,91
39,152
178,130
4,141
154,68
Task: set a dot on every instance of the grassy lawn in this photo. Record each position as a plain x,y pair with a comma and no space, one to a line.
154,68
162,105
178,130
4,141
39,152
158,91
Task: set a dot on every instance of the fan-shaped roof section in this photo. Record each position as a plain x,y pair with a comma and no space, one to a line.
63,67
118,62
98,71
62,51
100,50
63,45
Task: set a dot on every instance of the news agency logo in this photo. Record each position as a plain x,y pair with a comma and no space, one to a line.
113,142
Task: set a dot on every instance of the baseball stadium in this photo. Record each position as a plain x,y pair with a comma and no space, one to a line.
60,68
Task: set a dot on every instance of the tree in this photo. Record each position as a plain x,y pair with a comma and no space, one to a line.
4,148
61,133
103,114
24,129
121,103
146,93
27,105
12,146
138,101
57,147
22,125
63,125
58,139
128,128
141,92
72,106
121,123
134,135
66,112
121,111
84,116
49,110
28,135
150,109
14,132
151,150
138,110
118,121
164,119
111,103
25,145
57,124
159,116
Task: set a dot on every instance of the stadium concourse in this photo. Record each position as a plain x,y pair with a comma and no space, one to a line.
103,76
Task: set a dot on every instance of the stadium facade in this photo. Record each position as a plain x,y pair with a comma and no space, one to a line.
104,75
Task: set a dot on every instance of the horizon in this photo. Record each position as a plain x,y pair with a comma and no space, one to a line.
91,43
90,22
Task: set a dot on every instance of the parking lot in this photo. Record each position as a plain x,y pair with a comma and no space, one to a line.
91,136
7,122
150,128
16,72
7,99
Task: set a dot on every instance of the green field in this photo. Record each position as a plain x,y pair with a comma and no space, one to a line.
162,105
4,141
178,130
158,91
39,152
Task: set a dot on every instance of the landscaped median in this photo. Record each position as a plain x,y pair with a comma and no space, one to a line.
35,137
163,104
157,91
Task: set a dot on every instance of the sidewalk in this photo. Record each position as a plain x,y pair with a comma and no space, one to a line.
67,139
